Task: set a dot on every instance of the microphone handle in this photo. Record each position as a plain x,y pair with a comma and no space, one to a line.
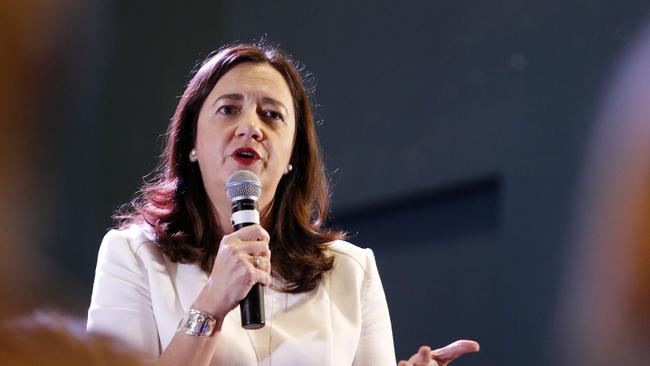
252,306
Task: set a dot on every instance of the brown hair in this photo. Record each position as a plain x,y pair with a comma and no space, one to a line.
176,206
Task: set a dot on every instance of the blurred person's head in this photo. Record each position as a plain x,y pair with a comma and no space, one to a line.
53,340
606,316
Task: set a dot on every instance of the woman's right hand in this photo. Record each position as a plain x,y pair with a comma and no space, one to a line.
234,271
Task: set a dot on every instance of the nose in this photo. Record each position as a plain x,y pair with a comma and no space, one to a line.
249,126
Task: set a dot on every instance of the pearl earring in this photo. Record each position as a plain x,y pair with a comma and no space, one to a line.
193,158
289,168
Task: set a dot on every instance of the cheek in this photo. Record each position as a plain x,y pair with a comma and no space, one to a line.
209,139
291,142
287,149
200,135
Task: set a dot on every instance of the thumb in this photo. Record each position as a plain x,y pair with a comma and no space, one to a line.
453,351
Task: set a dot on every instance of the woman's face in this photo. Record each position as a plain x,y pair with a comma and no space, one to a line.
246,122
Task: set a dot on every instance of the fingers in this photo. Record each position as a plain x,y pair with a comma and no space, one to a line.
252,240
421,358
260,263
441,356
245,254
243,259
257,269
253,248
252,233
454,350
258,276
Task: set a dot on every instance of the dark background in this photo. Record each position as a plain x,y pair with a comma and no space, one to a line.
453,133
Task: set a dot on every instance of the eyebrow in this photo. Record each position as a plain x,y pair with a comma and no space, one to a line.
239,97
234,96
276,103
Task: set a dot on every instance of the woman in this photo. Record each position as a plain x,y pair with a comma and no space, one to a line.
175,257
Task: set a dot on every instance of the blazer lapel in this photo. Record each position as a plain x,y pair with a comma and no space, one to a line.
190,280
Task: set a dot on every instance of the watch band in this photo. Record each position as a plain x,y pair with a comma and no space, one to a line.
197,323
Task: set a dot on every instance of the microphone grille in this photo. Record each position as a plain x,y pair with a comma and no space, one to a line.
243,184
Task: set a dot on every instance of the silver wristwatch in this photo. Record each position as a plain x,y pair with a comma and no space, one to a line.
197,323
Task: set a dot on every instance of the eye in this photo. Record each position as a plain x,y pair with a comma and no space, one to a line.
228,109
272,115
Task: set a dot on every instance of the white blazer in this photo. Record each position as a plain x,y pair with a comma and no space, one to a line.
139,297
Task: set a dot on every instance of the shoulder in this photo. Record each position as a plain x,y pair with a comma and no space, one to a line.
351,256
354,272
132,243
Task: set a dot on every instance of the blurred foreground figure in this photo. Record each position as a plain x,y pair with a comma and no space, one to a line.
49,339
606,309
27,31
19,71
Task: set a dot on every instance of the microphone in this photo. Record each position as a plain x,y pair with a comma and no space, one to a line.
243,189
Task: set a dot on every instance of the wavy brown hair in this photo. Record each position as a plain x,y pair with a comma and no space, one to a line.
177,208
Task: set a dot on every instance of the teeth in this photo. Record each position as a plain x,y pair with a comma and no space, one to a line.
245,154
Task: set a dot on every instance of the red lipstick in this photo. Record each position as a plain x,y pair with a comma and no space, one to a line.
245,155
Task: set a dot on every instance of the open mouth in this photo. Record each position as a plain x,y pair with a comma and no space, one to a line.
245,155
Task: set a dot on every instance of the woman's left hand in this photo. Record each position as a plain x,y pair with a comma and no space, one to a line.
441,356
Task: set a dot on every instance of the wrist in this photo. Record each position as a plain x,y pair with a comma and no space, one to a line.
208,307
